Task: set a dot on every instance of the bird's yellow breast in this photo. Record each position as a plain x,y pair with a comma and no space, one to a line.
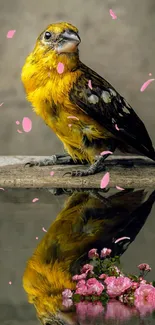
48,91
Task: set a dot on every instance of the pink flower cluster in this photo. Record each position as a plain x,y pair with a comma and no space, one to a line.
117,286
90,287
145,298
121,290
104,252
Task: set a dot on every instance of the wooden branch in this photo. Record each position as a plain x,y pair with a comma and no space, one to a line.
14,174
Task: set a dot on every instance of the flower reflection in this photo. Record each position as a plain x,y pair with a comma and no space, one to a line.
117,311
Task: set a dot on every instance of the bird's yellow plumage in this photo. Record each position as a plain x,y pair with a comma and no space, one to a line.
104,120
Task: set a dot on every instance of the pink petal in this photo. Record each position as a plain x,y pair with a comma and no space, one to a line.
19,131
120,188
60,67
1,104
44,229
1,188
112,14
51,173
116,127
26,124
150,74
74,117
69,125
35,200
121,238
37,238
11,33
17,122
90,84
106,153
146,84
105,180
10,282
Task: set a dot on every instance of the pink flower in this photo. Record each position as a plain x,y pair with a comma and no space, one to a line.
67,293
81,288
143,282
80,283
87,268
88,309
93,253
105,252
135,285
94,287
117,286
118,311
144,267
67,303
78,277
103,276
145,298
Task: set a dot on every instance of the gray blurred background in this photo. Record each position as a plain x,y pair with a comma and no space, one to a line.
123,52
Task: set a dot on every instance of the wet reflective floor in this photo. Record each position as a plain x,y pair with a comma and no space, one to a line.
24,221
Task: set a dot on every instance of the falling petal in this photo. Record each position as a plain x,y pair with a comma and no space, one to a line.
60,67
122,238
19,131
105,180
106,153
37,238
51,173
1,104
116,127
17,122
120,188
35,200
26,124
69,125
73,117
1,188
44,229
11,33
150,74
112,14
10,282
146,84
90,84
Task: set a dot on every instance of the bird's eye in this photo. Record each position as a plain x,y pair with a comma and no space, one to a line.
47,35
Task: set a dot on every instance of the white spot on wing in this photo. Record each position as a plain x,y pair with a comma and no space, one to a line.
93,99
106,97
125,110
112,92
127,105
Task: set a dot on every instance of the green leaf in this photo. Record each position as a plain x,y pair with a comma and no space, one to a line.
76,298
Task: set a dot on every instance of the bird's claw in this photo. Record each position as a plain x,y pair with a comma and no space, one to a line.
78,173
44,162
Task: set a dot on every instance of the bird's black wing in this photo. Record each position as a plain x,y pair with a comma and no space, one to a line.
98,99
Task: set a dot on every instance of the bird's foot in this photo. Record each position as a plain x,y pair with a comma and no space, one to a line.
53,160
93,169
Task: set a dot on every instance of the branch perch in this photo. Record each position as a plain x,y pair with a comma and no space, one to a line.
14,174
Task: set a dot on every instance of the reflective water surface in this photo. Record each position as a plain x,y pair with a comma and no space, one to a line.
60,228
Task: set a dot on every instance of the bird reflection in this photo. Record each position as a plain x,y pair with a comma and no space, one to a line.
88,220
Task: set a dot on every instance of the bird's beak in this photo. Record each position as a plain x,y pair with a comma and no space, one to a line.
71,37
70,42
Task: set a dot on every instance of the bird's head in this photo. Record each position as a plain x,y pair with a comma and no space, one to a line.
63,38
58,42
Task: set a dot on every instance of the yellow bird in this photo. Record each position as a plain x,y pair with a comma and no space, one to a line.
85,222
87,114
